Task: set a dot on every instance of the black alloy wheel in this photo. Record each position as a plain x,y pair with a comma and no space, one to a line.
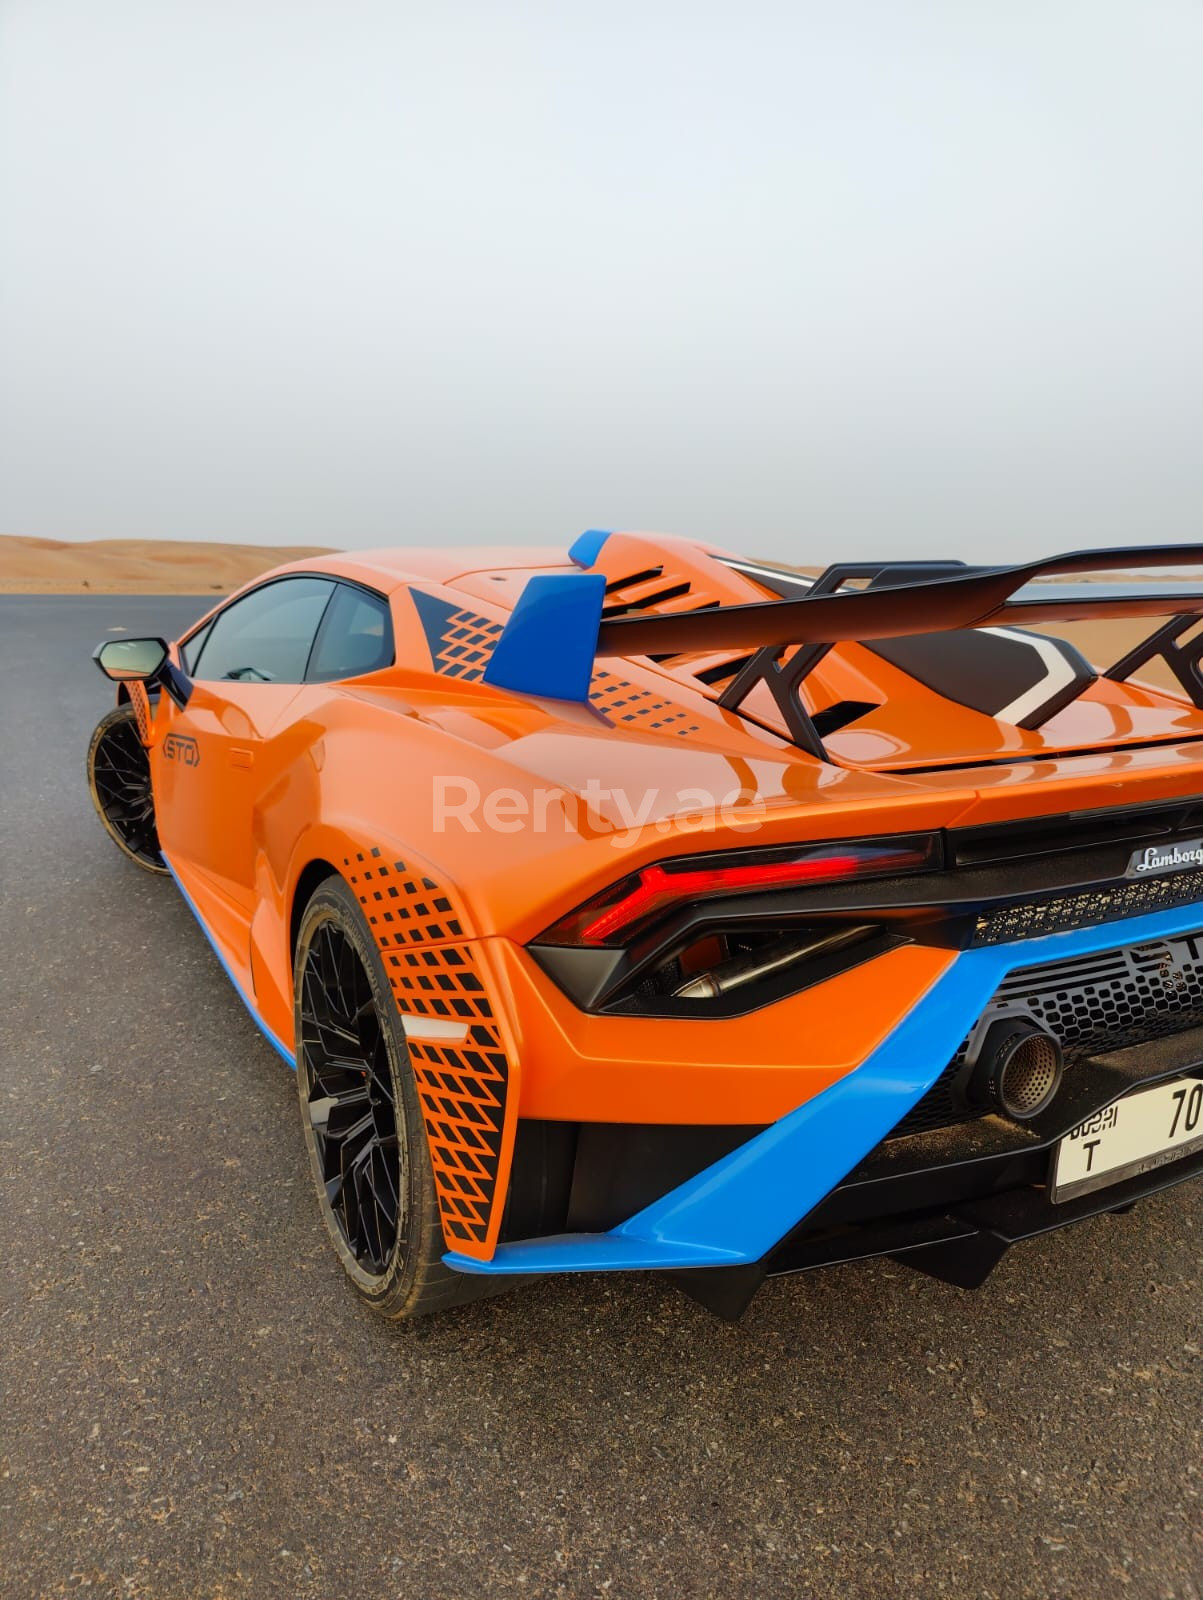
350,1097
119,781
362,1119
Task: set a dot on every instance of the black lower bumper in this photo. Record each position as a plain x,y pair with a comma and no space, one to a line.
962,1243
952,1201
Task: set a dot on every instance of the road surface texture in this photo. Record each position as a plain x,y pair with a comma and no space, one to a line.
194,1407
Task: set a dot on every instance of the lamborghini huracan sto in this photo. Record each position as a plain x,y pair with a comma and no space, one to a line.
642,907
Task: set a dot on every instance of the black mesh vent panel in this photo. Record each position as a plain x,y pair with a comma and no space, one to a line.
1088,909
1091,1004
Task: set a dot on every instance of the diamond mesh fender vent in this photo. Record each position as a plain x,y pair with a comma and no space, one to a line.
464,1084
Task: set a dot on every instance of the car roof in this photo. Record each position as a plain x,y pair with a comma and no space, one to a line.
390,567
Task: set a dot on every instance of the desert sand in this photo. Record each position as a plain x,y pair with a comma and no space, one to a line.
1103,643
136,566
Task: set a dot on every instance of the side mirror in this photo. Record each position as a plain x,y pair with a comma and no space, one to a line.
125,659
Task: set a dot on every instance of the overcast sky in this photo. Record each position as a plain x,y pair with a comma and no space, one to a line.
814,280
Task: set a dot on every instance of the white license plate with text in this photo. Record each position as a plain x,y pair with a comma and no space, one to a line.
1130,1136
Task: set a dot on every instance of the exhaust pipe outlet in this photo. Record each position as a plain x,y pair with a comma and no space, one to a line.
1016,1069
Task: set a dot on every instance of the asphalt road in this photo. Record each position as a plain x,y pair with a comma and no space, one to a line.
192,1405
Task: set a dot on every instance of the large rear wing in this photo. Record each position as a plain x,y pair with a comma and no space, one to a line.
557,629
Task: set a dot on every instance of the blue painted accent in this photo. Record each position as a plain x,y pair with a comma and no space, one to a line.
585,550
736,1210
549,642
276,1043
590,1252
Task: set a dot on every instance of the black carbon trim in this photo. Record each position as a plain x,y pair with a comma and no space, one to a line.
988,672
989,843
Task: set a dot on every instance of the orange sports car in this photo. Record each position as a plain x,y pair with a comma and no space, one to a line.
648,908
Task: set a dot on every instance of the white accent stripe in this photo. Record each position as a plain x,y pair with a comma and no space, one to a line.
432,1028
1058,675
753,571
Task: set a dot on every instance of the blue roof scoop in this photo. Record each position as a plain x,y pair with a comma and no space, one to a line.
585,550
548,645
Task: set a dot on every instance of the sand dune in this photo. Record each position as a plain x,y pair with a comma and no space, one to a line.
136,566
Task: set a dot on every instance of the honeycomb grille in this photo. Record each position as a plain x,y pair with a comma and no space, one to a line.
1091,1004
1088,909
462,1086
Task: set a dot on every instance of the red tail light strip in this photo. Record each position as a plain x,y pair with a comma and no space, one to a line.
613,913
656,888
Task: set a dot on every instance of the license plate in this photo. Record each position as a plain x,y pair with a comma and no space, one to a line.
1132,1135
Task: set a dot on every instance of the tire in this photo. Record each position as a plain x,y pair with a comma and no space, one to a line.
119,783
368,1154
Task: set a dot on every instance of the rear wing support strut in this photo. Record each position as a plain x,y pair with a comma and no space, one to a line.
1183,660
784,683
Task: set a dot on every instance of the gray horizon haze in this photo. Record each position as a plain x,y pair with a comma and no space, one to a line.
812,282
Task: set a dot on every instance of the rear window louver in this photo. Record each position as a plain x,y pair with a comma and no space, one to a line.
648,591
652,589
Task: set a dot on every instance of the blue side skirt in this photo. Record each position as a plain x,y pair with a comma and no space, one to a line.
276,1043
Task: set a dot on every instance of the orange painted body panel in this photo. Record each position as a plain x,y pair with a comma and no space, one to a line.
752,1069
348,774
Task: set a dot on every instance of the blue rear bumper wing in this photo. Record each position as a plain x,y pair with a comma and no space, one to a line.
734,1212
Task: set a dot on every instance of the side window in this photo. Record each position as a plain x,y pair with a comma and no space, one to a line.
190,651
356,636
266,636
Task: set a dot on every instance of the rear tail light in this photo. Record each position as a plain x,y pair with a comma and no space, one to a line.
626,908
723,934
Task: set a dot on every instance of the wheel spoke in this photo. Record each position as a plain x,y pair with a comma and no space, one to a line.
370,1230
349,1096
323,1106
378,1071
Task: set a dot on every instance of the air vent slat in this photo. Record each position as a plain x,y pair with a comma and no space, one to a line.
722,671
615,584
645,602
